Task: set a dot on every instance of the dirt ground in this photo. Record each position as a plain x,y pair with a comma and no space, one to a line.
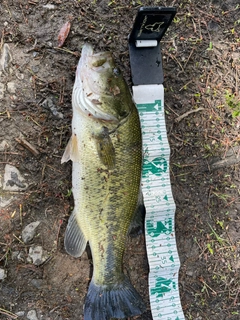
201,61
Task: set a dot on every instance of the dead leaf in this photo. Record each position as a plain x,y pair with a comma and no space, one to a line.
63,33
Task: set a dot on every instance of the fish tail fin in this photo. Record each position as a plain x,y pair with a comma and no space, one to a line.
120,300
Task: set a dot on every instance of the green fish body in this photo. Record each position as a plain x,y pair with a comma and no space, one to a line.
106,151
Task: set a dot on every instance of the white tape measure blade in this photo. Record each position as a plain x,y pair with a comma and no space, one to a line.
160,207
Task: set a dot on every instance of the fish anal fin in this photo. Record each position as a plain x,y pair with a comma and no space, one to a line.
71,152
74,240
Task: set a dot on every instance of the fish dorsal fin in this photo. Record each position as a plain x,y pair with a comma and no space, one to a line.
74,240
71,152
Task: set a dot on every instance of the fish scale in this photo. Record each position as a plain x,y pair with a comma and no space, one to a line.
160,207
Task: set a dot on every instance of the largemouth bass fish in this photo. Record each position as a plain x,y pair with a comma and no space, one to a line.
106,151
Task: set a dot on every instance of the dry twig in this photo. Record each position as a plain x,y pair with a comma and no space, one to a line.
8,313
186,114
28,146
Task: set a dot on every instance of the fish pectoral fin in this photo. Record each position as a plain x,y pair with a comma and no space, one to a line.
71,152
105,148
137,225
74,240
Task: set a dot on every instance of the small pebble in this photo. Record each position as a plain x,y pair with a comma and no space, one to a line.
11,87
29,231
48,104
20,313
35,69
4,145
2,274
189,273
37,255
2,90
49,6
32,315
5,200
18,255
35,54
6,57
13,180
37,283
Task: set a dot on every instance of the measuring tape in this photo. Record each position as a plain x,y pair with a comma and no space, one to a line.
160,207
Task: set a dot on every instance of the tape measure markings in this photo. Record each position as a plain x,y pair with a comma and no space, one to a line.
160,207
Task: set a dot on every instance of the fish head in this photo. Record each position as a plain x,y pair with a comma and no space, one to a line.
100,90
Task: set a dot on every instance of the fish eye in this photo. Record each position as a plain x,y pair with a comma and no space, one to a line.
116,72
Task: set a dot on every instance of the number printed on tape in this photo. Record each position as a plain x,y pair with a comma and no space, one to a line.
160,207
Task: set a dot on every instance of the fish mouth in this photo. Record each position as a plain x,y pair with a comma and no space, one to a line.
91,82
91,67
